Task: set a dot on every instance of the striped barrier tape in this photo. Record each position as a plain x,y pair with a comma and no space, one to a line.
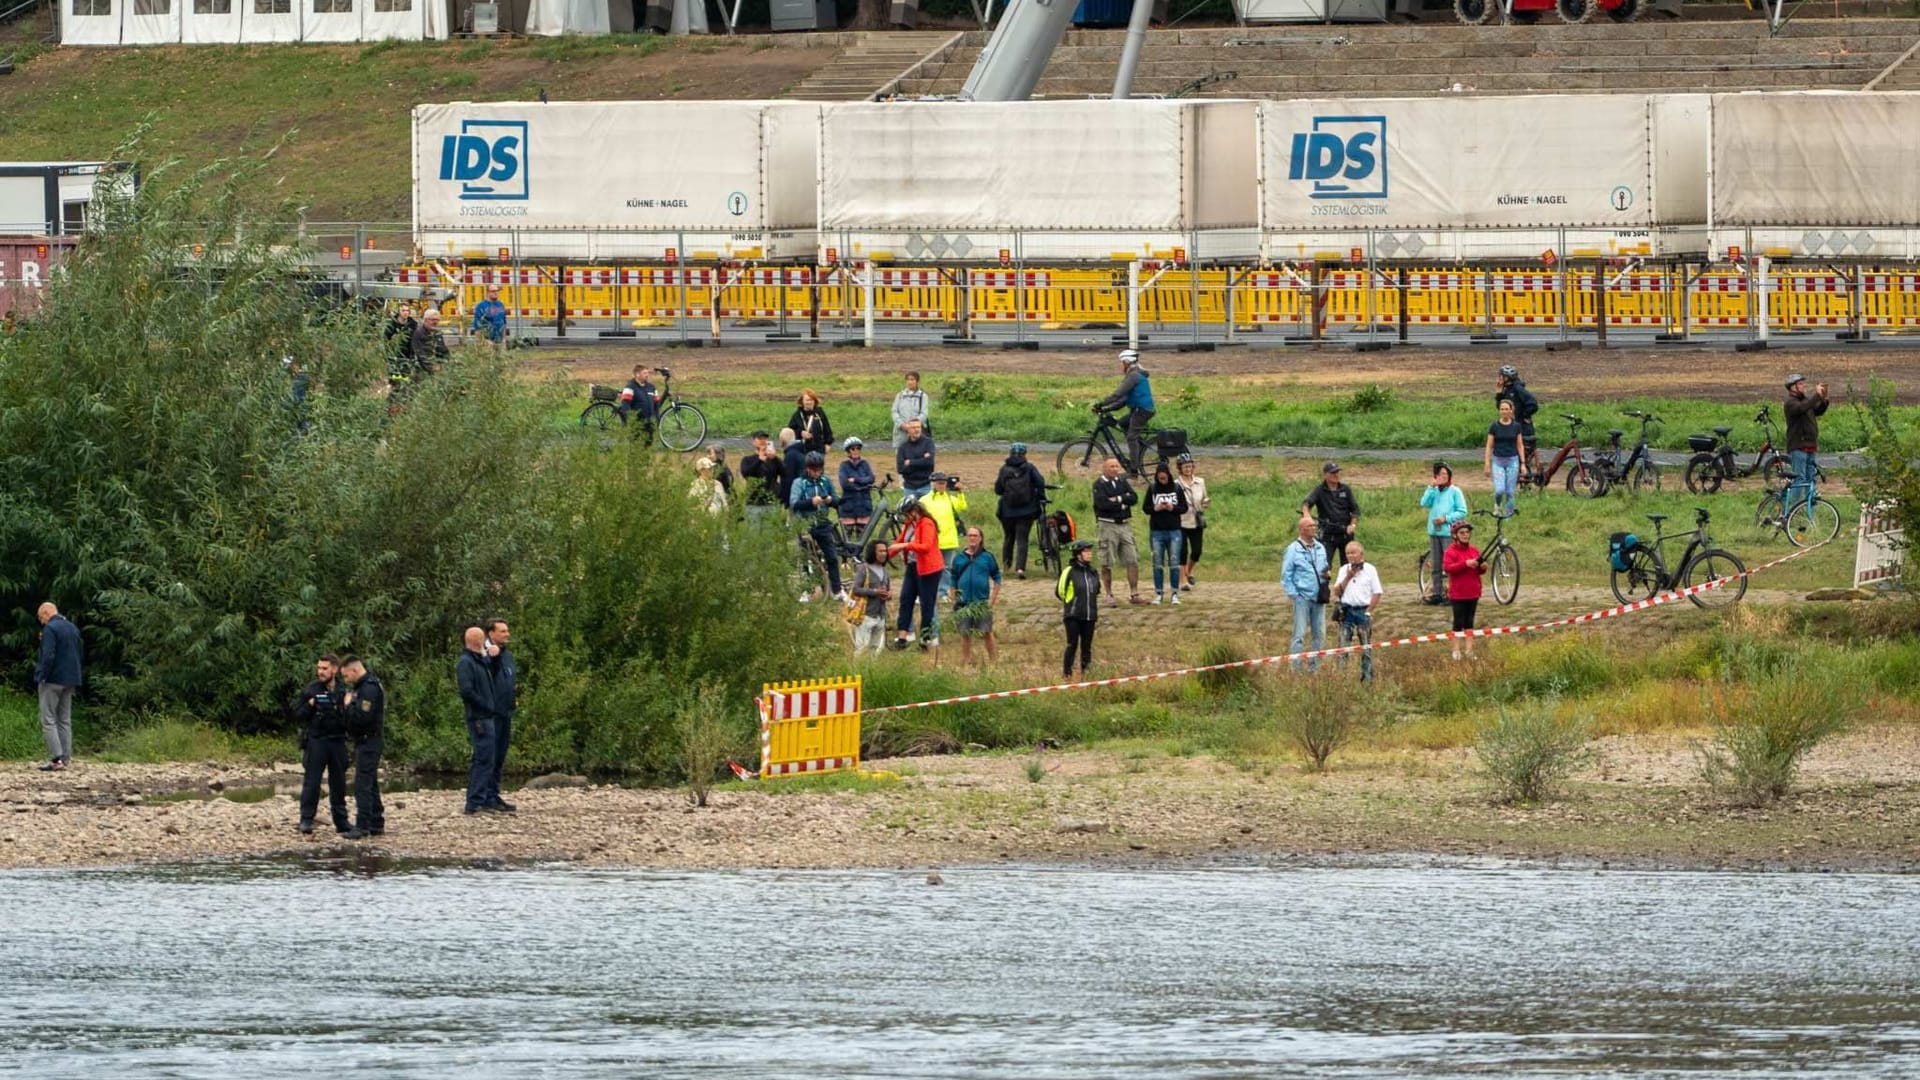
1417,639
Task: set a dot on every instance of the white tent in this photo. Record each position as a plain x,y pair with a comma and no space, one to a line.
208,22
554,18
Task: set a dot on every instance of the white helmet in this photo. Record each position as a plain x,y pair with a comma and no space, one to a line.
1130,357
852,441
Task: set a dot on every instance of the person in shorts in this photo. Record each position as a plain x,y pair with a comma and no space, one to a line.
975,575
1113,501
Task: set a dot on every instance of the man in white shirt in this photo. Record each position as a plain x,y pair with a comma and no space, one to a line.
1356,588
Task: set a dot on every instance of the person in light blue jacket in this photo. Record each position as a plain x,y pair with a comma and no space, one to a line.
1444,504
1303,574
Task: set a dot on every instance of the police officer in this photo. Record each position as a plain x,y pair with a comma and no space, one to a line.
506,697
323,742
366,705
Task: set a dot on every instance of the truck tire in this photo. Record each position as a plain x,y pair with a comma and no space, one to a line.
1575,11
1475,12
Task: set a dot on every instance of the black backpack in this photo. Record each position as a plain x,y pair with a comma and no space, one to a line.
1016,485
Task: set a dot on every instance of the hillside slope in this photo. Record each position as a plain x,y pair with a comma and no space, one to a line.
348,105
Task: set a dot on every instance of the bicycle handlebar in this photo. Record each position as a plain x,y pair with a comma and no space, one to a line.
1569,417
1700,516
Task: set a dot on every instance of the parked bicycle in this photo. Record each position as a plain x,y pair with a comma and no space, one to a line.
1808,521
1580,479
1084,457
1499,554
1640,569
1713,462
1057,531
1639,466
678,425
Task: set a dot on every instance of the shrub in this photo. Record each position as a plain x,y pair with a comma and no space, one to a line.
707,739
1321,713
1370,398
1530,747
1226,681
1764,726
968,390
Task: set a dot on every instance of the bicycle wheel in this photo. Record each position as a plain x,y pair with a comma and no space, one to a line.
1768,514
599,416
682,427
1506,574
1583,481
1640,580
1080,458
1778,471
1807,526
1425,576
1049,548
813,570
1703,474
1710,565
1646,477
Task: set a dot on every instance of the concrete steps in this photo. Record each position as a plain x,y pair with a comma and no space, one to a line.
1395,60
867,65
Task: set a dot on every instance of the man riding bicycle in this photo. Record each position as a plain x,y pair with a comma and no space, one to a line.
1803,412
1136,393
1509,388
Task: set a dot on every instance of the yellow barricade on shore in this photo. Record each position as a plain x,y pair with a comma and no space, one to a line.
812,726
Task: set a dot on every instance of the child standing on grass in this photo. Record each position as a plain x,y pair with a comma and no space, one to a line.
1464,569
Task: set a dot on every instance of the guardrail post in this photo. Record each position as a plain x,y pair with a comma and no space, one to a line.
1600,302
1316,299
1133,303
1193,278
1761,266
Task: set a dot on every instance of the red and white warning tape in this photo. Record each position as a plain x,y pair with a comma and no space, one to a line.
1418,639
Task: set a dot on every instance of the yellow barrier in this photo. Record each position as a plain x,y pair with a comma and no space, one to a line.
809,727
1333,295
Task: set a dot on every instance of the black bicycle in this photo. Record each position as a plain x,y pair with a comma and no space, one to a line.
678,425
1640,570
1499,554
1611,470
1713,462
1084,457
1056,532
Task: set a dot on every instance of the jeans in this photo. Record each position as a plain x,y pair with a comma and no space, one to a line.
946,569
368,812
56,720
1168,552
1308,615
822,534
924,588
920,492
1804,467
1357,629
1013,543
480,773
1506,474
328,756
1079,636
1137,422
1436,558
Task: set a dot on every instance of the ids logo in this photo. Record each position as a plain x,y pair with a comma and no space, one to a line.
1344,156
488,159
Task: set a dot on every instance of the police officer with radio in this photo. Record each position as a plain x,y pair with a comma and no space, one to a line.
321,710
366,705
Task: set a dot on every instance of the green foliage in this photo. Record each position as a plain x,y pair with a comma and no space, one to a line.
179,739
1227,680
1188,396
1036,769
1530,747
1892,474
708,737
1322,712
1768,713
1370,398
969,390
20,727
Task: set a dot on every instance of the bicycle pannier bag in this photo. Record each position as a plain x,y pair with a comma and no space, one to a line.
1701,443
1619,546
597,392
1171,442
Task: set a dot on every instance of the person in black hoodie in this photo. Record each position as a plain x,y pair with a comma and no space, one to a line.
809,421
793,463
366,705
506,698
1019,486
760,470
1078,591
474,676
323,744
1166,503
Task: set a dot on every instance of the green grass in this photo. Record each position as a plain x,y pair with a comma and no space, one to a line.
20,727
182,740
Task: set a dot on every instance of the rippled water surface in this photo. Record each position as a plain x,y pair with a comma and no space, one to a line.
284,969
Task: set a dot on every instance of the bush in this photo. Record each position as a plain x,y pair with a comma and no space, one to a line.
1322,712
1765,725
1528,749
1369,399
968,390
707,740
1226,681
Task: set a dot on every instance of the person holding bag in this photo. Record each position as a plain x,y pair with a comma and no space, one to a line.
1303,574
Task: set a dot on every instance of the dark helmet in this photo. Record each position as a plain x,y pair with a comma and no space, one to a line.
1510,373
1082,545
816,460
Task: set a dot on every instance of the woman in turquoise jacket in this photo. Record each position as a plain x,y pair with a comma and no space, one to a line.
1444,504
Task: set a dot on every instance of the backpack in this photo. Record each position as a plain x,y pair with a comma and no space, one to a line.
1016,485
1619,546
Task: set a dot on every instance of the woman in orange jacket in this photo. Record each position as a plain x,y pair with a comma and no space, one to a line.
920,540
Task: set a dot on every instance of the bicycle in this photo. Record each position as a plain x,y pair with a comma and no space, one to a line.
1811,521
1713,462
1499,552
1085,457
1646,573
678,424
1639,466
886,520
1580,479
1055,529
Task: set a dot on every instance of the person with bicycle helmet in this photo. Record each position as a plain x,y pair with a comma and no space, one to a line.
1508,387
1078,591
1803,412
812,503
856,487
1136,393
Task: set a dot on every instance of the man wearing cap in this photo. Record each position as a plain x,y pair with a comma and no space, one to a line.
1136,393
1338,512
1019,486
1803,412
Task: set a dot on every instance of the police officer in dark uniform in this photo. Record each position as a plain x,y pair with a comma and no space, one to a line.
366,704
321,710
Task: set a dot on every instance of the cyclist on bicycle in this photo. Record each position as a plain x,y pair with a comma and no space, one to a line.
812,502
1508,387
1803,412
1136,393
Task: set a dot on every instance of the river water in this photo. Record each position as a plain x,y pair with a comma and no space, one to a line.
358,966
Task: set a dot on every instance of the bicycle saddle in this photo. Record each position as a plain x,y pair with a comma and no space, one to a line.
1723,432
1656,518
1615,432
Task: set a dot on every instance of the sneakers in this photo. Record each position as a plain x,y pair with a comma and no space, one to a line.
1156,599
306,828
1176,599
933,643
1135,599
806,597
1020,573
502,806
471,810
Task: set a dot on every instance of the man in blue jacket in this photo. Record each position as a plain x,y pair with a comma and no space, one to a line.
1136,393
812,501
506,698
58,673
474,676
490,320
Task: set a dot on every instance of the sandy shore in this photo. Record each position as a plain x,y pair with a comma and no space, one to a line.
1859,808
